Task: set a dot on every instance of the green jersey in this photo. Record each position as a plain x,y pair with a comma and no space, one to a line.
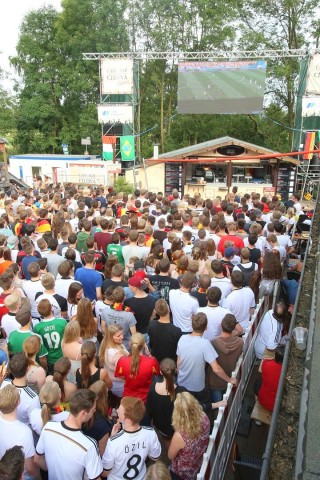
16,339
115,249
51,331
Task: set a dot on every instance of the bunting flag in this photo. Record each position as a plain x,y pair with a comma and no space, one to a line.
108,142
309,145
127,148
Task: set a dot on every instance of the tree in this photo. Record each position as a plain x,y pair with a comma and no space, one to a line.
37,62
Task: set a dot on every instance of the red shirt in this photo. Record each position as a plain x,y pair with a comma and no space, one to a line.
102,240
271,371
238,242
137,386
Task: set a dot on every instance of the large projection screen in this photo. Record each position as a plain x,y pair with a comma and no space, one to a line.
221,87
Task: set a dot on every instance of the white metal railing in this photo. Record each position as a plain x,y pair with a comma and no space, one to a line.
220,441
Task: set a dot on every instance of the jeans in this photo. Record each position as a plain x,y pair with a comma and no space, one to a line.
216,395
291,288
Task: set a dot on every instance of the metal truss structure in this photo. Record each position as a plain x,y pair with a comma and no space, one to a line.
205,56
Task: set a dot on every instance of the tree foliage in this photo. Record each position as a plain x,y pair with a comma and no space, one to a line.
56,102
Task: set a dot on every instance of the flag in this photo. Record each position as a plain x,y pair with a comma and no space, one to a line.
108,141
127,148
107,153
309,145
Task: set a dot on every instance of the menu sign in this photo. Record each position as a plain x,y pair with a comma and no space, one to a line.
286,180
173,177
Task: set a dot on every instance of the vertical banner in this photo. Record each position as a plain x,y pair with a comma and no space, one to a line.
107,142
127,148
309,145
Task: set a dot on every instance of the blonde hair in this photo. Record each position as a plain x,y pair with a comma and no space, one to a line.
187,414
158,471
9,399
31,346
71,332
137,343
108,342
48,281
12,301
88,327
50,395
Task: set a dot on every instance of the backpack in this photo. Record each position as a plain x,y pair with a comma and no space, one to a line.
247,273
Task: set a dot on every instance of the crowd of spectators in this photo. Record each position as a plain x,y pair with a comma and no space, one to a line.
122,319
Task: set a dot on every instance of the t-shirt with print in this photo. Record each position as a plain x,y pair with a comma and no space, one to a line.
51,332
16,339
126,453
164,283
116,249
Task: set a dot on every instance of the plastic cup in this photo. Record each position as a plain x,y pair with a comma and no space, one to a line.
300,335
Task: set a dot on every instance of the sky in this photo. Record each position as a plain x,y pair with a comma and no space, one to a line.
12,14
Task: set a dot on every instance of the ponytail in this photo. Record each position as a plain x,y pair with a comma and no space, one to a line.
88,353
168,370
45,414
57,377
61,368
137,343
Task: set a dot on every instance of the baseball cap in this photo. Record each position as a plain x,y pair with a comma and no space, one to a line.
137,279
11,241
229,252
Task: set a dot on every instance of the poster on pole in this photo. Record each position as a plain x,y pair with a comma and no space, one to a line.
311,106
116,76
313,76
115,113
221,87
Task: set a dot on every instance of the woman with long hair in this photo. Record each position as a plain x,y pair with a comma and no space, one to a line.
111,349
36,375
161,399
71,347
75,293
153,260
213,254
270,273
111,261
99,426
137,369
61,370
200,254
87,321
89,373
190,439
179,264
51,408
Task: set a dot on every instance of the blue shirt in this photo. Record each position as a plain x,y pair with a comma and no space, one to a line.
90,280
25,263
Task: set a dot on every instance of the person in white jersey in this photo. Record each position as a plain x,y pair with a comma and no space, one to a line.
182,304
128,449
63,450
241,301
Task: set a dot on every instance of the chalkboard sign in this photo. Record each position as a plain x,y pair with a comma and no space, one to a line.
173,177
286,180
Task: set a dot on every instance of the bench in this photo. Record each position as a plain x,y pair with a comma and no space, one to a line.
261,414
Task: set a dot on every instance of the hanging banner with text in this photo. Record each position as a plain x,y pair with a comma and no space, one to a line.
313,76
116,76
115,113
311,106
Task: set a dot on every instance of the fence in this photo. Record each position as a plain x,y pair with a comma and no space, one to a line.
220,441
